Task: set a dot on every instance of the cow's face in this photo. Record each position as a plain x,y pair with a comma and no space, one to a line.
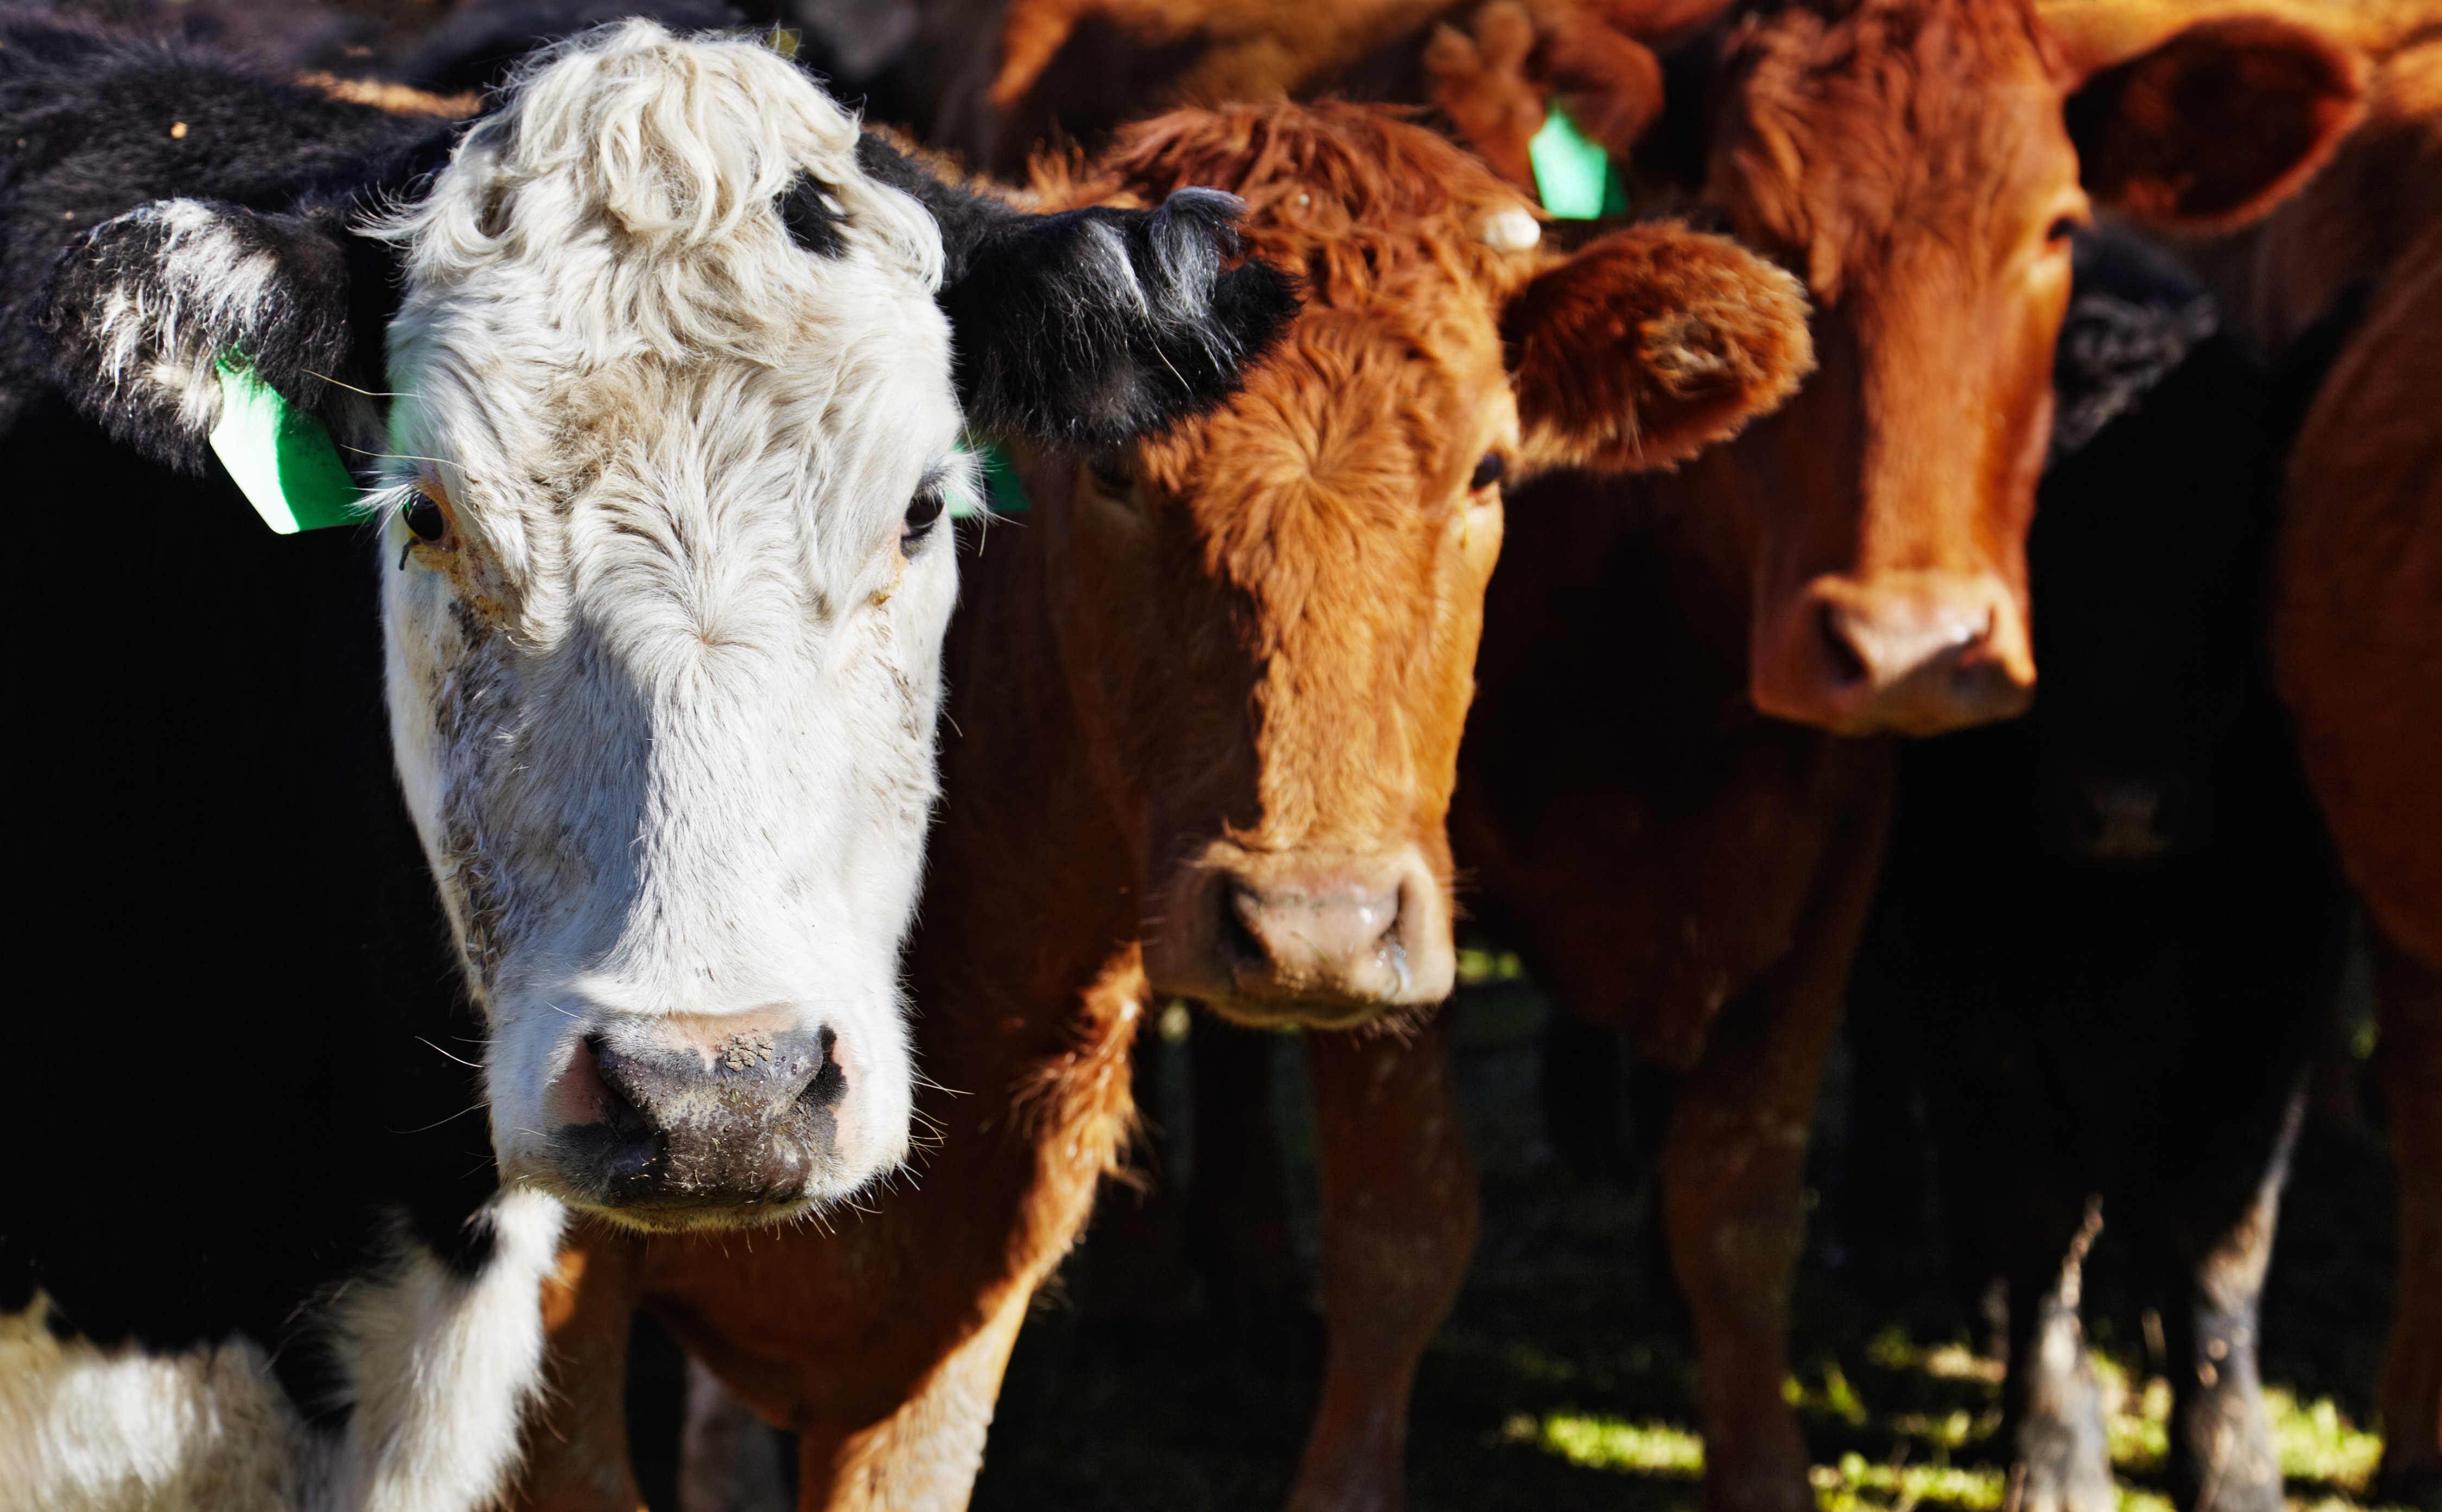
1921,161
664,622
1269,615
673,424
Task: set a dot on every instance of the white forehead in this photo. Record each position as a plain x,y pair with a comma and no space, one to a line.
602,300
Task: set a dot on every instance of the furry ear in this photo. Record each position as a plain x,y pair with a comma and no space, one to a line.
1651,344
1094,326
139,312
2217,123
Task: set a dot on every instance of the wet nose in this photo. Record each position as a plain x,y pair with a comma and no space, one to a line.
669,1120
1912,653
1356,938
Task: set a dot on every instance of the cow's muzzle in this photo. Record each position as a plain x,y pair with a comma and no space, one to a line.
674,1122
1324,941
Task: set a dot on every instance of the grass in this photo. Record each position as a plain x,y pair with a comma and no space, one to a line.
1565,1378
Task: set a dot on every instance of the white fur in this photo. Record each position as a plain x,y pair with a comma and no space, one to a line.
439,1371
208,284
666,720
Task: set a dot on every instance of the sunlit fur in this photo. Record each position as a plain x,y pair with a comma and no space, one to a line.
1247,661
1272,624
663,706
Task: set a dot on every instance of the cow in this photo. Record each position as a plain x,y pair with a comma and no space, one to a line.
1675,778
2354,642
2142,849
541,838
1206,699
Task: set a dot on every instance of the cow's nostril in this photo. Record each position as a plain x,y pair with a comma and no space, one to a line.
1237,941
829,1083
1840,655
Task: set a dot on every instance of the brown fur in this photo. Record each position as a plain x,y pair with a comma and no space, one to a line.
2357,652
1666,858
399,100
1248,643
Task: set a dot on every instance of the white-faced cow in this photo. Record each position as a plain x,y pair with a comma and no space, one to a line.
644,628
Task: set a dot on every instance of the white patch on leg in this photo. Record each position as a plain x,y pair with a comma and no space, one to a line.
440,1369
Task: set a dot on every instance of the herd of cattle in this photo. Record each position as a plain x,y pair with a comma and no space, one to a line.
830,643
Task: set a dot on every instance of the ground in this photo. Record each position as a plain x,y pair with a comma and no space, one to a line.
1565,1379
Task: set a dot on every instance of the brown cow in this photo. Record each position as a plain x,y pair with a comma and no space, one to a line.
2357,650
1652,800
1205,720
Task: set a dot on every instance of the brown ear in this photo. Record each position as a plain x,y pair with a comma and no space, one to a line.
1651,344
2218,124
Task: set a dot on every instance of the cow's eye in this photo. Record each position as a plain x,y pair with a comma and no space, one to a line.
2061,228
1487,472
1112,470
923,513
422,517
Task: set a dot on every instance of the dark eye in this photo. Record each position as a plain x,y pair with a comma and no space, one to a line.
423,518
2063,227
1487,472
1112,470
923,513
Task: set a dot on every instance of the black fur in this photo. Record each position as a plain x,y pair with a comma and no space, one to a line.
234,1000
477,45
1094,326
808,209
86,136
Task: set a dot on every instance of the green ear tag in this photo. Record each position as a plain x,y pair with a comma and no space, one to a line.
1002,494
1574,176
281,457
1006,495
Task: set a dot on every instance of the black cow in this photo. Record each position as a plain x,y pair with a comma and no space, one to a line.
2108,932
634,654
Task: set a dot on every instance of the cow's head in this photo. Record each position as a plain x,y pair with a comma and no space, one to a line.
1922,163
673,420
1269,615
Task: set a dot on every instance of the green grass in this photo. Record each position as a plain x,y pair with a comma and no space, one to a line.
1565,1378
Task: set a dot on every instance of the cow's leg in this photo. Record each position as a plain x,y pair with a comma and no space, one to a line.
1398,1226
2222,1457
2021,1165
1732,1168
2051,1406
576,1435
924,1457
2408,1060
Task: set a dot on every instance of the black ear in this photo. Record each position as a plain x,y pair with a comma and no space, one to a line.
1094,326
140,310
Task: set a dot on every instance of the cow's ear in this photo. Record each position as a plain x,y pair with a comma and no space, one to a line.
141,312
1649,345
2215,124
1094,326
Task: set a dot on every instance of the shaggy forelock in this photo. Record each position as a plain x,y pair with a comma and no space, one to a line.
1847,120
606,253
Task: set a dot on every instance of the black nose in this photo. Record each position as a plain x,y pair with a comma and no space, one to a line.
748,1124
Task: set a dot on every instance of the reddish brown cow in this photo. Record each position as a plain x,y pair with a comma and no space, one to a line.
2357,650
1652,800
1204,727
